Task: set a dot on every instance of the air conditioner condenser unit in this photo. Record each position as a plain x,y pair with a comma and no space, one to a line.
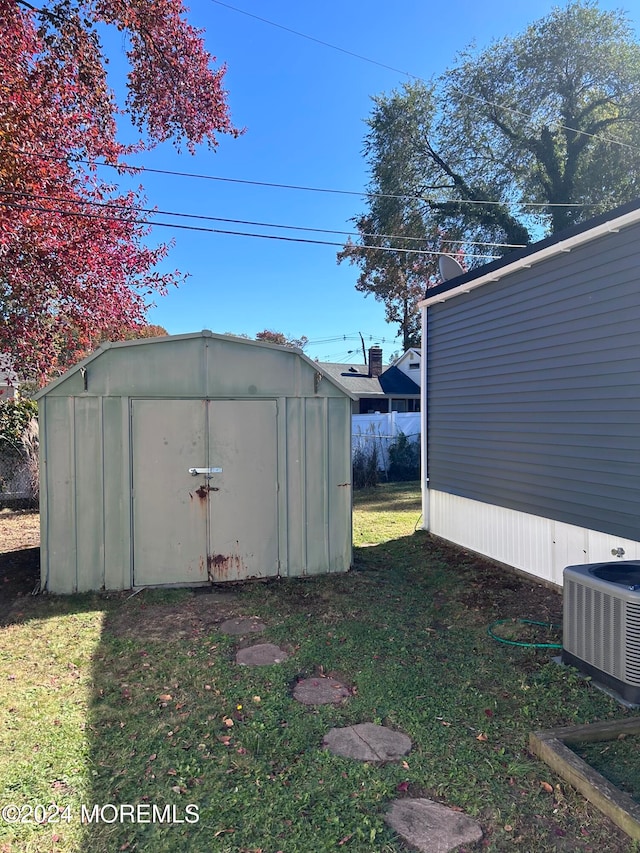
601,624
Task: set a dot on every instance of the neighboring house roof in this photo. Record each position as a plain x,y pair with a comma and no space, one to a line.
562,242
355,379
394,381
412,350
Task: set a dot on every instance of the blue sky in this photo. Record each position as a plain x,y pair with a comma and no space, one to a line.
303,105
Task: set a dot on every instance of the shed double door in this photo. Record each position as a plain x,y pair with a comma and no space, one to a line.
220,524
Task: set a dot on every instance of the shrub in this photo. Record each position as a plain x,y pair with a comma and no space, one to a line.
15,417
404,459
365,469
19,449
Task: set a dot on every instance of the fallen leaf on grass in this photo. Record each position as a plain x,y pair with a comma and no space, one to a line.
345,839
547,787
165,697
482,737
403,787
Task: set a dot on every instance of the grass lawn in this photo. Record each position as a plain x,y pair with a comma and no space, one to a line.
111,699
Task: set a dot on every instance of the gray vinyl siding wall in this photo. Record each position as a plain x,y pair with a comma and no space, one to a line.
534,389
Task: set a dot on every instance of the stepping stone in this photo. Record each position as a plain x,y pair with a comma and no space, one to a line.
367,742
320,691
262,654
239,627
430,827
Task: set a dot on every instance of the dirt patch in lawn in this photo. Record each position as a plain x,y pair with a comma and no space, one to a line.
491,587
19,556
190,616
19,529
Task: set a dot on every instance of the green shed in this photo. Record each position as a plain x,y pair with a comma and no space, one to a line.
193,459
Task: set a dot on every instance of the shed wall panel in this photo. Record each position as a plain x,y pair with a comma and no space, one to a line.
296,478
89,487
59,471
236,370
283,512
533,399
339,484
117,493
316,492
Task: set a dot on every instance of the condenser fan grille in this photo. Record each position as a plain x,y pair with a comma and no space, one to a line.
602,624
633,643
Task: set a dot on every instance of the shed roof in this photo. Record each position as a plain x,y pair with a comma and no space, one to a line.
172,339
562,242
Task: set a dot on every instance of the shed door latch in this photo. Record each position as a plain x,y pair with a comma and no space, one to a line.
195,471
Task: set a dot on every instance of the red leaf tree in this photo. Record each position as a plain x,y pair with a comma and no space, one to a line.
74,267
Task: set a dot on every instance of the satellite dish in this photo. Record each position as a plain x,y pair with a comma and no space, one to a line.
449,267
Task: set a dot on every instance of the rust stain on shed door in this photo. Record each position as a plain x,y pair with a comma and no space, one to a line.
219,523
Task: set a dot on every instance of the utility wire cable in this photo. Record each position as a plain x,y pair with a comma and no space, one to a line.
408,74
316,40
359,193
202,228
208,218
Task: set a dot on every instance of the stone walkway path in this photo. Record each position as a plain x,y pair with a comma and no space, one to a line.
367,742
320,691
423,824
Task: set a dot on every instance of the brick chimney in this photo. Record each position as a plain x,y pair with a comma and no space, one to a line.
375,361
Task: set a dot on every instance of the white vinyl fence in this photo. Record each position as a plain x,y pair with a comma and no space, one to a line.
369,431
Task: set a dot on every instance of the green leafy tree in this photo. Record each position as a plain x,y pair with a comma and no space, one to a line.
549,118
270,336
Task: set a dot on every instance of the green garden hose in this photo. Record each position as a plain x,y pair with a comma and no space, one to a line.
518,643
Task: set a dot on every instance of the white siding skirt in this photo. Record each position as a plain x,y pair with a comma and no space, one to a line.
539,546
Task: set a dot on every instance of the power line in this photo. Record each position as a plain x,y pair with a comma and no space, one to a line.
202,228
421,79
352,336
359,193
208,218
314,39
